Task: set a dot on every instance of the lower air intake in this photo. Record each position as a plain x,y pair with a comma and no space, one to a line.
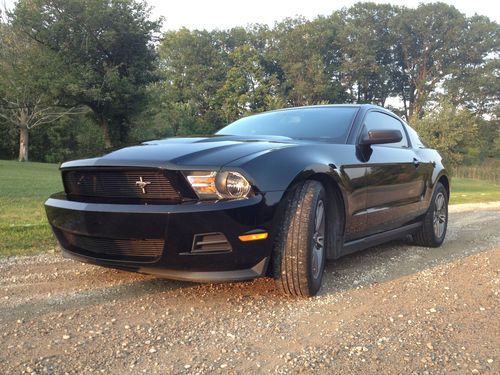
108,248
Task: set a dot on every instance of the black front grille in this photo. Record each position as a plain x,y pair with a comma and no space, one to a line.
142,184
108,248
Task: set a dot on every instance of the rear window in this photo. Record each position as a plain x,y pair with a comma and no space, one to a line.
331,124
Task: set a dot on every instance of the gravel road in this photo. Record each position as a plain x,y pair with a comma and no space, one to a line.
393,309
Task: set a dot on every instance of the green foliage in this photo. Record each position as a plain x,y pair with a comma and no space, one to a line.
194,68
163,117
106,52
70,138
477,88
429,48
307,58
487,142
8,144
105,55
28,69
247,88
25,98
448,129
369,63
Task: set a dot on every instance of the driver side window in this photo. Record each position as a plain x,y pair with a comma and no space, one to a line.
380,121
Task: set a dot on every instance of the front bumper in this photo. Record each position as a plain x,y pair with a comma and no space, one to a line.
174,226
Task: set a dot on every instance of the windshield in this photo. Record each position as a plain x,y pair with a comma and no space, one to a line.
329,123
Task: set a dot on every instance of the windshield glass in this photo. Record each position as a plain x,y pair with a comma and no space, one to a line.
329,123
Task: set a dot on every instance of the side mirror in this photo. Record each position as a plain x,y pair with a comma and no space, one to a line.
377,137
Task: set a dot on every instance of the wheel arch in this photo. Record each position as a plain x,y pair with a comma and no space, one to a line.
444,179
335,193
336,207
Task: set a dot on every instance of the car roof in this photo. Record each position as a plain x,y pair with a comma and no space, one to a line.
364,106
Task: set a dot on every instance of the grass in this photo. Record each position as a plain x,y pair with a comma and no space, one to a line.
467,190
23,189
25,186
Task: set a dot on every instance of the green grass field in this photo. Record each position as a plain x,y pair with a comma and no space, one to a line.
466,190
23,189
25,186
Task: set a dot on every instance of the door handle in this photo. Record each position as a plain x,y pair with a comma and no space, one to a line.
416,162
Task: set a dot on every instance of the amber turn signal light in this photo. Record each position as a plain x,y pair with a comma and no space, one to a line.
253,237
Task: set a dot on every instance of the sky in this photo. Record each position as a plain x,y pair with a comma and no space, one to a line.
224,14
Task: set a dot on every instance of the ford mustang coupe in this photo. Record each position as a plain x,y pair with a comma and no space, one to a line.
274,194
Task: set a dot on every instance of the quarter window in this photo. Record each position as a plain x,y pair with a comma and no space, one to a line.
381,121
415,138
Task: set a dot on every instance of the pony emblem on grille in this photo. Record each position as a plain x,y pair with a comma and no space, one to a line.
142,184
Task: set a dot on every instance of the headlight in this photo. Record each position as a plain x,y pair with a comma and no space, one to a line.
218,185
232,184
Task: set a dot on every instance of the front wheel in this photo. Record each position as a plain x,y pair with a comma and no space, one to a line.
299,259
433,229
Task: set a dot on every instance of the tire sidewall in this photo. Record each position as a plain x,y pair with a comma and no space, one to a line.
315,284
439,189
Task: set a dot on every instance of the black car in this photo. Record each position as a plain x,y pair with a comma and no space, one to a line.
274,194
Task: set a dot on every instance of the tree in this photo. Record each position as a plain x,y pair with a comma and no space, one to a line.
477,88
367,44
194,64
476,82
28,112
104,56
434,43
106,52
449,129
303,51
164,116
24,100
247,88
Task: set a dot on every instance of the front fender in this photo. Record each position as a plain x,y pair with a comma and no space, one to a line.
278,169
439,171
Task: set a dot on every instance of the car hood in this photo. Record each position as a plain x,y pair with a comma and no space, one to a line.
174,153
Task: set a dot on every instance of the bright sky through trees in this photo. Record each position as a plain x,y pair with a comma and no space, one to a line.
223,14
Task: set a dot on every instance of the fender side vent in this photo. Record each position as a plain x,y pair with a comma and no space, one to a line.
210,243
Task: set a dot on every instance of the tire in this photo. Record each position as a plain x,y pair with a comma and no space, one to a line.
300,250
433,230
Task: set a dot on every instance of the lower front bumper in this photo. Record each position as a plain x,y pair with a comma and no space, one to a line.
184,275
174,227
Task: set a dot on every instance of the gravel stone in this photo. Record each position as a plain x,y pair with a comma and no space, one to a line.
395,308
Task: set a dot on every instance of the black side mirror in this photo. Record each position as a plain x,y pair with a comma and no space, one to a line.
377,137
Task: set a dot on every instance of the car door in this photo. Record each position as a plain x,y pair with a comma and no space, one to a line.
353,174
394,184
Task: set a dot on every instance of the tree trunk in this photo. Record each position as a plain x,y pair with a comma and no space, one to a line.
418,110
411,101
103,124
407,115
23,143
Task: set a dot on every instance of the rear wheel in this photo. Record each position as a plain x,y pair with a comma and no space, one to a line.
433,230
300,253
